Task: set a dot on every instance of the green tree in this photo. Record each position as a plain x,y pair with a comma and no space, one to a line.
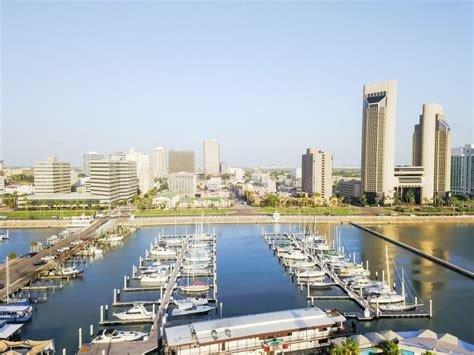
389,348
11,256
410,197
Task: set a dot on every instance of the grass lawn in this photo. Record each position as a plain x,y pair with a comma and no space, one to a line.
46,214
185,212
311,210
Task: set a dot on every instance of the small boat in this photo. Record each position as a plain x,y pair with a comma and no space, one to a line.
174,242
311,274
5,236
115,336
48,258
72,271
397,307
196,267
138,311
197,301
112,239
320,285
185,309
201,257
154,278
76,242
387,297
195,287
276,217
297,255
162,253
15,314
52,240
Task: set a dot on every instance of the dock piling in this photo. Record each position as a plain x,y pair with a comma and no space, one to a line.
124,282
64,351
101,313
80,338
115,295
431,308
221,309
91,330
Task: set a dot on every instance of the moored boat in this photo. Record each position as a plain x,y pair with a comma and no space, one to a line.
115,336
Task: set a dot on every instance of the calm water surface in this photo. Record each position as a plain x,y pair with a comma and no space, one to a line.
450,242
251,280
20,240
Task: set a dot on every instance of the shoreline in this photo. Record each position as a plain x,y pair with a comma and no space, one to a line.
250,219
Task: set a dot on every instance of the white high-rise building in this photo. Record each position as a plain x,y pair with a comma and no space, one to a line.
211,155
52,176
161,162
462,170
378,140
317,173
114,180
86,159
144,171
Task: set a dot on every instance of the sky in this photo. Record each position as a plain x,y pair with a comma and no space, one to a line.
266,78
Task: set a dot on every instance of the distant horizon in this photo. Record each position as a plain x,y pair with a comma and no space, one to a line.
267,80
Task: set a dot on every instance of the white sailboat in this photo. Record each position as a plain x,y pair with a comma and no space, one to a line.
5,236
162,253
188,308
310,274
115,336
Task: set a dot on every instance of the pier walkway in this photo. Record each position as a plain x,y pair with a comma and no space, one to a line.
23,270
419,252
152,343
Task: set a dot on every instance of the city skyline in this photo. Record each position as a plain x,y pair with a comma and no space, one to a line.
205,84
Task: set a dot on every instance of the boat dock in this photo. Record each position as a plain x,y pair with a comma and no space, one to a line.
432,258
160,306
370,311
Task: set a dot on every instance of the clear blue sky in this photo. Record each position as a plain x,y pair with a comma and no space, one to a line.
267,79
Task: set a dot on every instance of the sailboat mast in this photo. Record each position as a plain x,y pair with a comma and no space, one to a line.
8,279
388,270
403,286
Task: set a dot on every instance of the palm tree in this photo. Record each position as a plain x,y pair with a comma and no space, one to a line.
389,348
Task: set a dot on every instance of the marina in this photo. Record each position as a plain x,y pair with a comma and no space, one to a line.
241,290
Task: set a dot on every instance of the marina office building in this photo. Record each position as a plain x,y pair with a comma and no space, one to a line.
430,173
52,176
289,330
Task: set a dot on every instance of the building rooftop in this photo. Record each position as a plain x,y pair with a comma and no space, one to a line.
249,326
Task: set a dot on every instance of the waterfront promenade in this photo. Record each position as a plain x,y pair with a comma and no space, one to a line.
250,219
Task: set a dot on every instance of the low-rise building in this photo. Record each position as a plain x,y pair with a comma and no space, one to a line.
350,188
290,330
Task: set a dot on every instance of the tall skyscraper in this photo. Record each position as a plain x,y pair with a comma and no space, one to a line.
317,173
432,151
462,170
144,171
378,140
161,162
114,180
52,176
182,161
86,159
211,150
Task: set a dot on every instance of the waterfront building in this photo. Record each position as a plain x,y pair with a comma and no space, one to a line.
432,151
317,173
86,159
350,188
52,176
289,330
211,155
144,170
378,140
462,170
161,162
114,180
182,183
182,161
410,342
2,177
